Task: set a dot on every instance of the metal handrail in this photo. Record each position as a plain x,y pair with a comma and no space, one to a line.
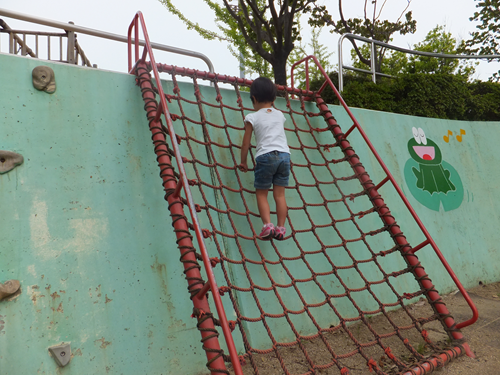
374,42
390,177
74,50
104,35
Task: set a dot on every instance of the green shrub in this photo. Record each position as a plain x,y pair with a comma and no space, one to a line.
445,96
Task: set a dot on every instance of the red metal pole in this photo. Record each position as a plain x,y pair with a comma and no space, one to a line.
427,235
391,223
207,329
432,362
184,242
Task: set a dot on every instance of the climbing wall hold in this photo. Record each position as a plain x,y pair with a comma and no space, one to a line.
9,160
44,79
61,353
9,288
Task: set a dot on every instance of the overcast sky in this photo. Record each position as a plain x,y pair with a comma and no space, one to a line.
114,16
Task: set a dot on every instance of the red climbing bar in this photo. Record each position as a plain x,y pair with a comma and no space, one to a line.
389,220
159,111
433,362
203,291
394,228
350,130
178,188
385,214
209,339
382,183
418,247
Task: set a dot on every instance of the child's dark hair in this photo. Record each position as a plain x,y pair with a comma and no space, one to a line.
263,90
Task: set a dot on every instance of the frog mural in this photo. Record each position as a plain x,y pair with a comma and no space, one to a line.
432,181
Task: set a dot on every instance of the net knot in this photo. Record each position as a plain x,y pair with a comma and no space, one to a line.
197,207
243,362
176,90
218,98
425,335
224,289
232,325
197,313
206,233
174,117
408,295
344,371
214,261
389,354
372,364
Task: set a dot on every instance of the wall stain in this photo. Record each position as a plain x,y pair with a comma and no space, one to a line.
103,342
59,308
161,270
55,295
35,296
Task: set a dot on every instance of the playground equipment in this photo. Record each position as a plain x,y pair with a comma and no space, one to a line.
331,278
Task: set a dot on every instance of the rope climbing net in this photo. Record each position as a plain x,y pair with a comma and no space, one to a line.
333,296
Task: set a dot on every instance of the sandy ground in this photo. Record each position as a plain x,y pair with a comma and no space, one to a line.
483,338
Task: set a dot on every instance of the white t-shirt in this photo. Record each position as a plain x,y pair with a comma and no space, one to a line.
269,128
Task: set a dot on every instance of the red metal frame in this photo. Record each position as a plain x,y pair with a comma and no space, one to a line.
434,296
176,207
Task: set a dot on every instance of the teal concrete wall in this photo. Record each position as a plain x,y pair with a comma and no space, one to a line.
84,227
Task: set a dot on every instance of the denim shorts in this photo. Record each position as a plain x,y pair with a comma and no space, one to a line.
272,168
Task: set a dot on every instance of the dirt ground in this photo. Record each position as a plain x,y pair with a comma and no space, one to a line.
483,338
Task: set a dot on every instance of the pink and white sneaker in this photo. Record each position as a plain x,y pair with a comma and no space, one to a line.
267,231
279,233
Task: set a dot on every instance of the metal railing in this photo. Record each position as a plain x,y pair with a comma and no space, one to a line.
18,44
105,35
374,42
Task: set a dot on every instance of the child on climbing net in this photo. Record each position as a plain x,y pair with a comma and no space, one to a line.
272,156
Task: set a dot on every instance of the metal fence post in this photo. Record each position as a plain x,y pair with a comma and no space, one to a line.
71,45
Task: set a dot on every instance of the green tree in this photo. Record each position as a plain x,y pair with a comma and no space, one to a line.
371,26
259,32
486,40
439,41
316,49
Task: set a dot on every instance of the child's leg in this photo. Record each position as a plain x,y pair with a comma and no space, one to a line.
263,205
281,207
